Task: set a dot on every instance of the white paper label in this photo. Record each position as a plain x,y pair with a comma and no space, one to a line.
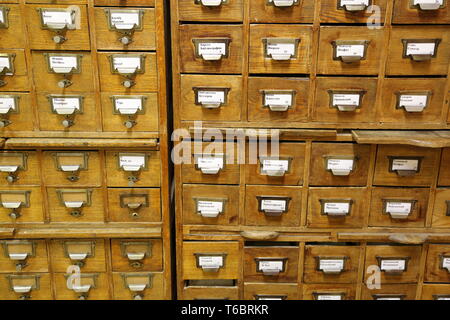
420,48
7,168
5,63
273,205
125,20
399,207
128,106
354,2
443,298
210,163
211,262
389,299
350,50
204,206
212,48
409,100
50,17
416,2
274,266
393,265
2,18
206,97
132,161
446,263
63,62
331,264
274,298
340,164
275,165
7,105
127,64
329,297
277,99
336,207
66,105
346,99
275,49
405,164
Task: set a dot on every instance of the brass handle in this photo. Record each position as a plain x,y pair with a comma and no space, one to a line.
260,235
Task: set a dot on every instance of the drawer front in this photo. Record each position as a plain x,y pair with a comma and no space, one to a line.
17,79
398,264
13,35
226,11
280,49
408,13
212,98
11,286
146,3
273,291
444,171
136,255
24,256
210,204
438,263
337,207
112,36
273,206
138,286
134,204
335,11
21,204
278,99
211,49
399,165
339,164
270,11
436,292
19,168
329,292
441,209
390,292
19,116
417,50
345,100
399,207
210,292
85,286
211,260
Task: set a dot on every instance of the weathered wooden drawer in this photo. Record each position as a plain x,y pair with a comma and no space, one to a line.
329,292
125,29
421,11
138,286
210,290
397,263
441,209
126,73
339,164
84,286
207,10
130,255
272,291
211,260
418,50
327,263
350,50
130,113
280,48
134,204
438,263
19,168
343,100
87,254
399,207
58,27
13,73
24,256
15,112
33,286
72,168
273,206
145,3
276,11
444,171
390,292
21,204
344,11
436,292
278,99
210,204
399,165
271,263
63,73
211,49
11,26
337,207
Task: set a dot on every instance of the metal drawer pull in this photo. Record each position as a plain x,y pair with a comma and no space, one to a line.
129,106
399,209
269,297
413,101
11,163
137,283
4,20
210,262
134,202
6,66
23,285
328,296
211,98
71,163
58,21
340,165
133,164
420,49
388,296
15,200
210,208
280,49
405,166
271,266
125,22
78,252
82,284
213,49
75,200
211,3
65,64
273,206
350,51
444,262
427,5
346,100
336,207
354,5
136,252
128,66
393,265
283,3
67,106
330,265
278,100
19,251
209,164
275,166
9,104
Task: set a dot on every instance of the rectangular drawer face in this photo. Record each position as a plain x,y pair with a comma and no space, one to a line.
108,36
300,11
438,263
87,254
331,264
398,264
280,49
444,171
227,11
337,207
21,204
278,99
399,165
441,209
13,36
138,286
272,291
399,207
418,50
271,264
211,260
210,204
134,204
339,164
136,255
20,117
12,285
413,100
146,3
345,100
88,286
435,292
390,292
273,206
17,79
335,11
365,46
211,49
408,13
329,292
19,168
24,256
213,292
212,98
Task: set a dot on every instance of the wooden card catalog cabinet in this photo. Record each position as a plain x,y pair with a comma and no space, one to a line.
6,67
65,65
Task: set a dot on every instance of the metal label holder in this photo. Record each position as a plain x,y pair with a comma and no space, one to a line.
212,104
273,213
405,173
134,206
417,108
280,57
352,58
420,57
210,214
323,203
211,57
346,107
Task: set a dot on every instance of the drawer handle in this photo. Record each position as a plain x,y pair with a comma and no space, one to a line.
350,51
271,266
275,166
328,296
280,49
413,101
444,262
24,285
132,164
346,100
283,3
353,7
393,265
210,207
75,200
211,98
209,164
420,50
137,283
11,163
405,166
125,22
79,252
213,49
4,19
58,21
330,265
278,100
260,235
129,106
71,163
15,200
128,66
388,296
336,208
427,5
19,251
81,284
136,252
134,202
273,206
340,165
399,209
65,64
211,3
67,106
270,297
210,262
7,66
9,104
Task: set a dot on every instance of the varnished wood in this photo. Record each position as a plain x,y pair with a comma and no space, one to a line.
78,143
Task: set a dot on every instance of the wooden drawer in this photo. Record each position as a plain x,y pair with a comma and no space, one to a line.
331,263
280,48
86,286
19,168
272,291
118,35
399,165
444,171
397,263
211,98
297,11
436,292
278,99
211,260
203,10
399,207
72,168
12,28
211,49
138,286
329,292
17,79
13,285
441,209
17,114
24,256
350,50
210,204
273,206
87,254
210,290
343,100
50,72
126,73
337,207
407,56
438,263
130,113
390,292
336,11
20,204
134,204
133,169
406,12
46,33
277,263
339,164
145,3
136,255
285,168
